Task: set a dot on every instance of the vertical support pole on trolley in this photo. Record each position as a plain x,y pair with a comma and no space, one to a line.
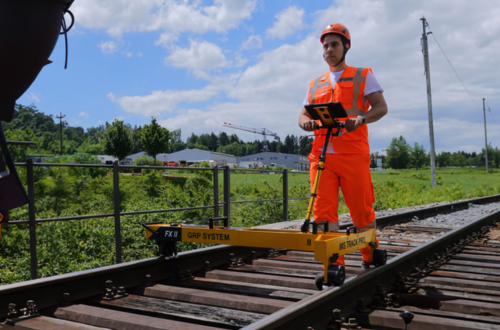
216,191
227,197
116,192
32,219
285,194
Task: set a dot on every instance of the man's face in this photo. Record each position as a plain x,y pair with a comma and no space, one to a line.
333,48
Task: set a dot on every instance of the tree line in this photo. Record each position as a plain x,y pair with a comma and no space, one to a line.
400,155
121,139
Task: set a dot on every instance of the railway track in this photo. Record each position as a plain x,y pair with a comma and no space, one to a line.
444,277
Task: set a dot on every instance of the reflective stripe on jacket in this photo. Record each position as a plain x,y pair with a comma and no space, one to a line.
348,90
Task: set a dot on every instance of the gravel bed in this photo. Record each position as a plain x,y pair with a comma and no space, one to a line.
450,220
456,219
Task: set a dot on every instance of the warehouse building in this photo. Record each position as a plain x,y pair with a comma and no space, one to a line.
297,162
197,155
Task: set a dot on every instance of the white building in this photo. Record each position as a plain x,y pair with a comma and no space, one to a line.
297,162
197,155
106,159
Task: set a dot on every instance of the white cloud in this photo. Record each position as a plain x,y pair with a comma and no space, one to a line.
33,97
251,114
167,39
161,102
239,60
84,114
120,16
281,74
288,22
108,47
200,56
254,41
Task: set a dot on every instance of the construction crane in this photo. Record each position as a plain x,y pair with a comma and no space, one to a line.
262,131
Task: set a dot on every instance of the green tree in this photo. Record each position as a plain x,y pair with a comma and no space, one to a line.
117,140
457,159
175,136
398,153
193,139
88,148
223,139
214,142
234,138
154,138
418,156
177,146
18,152
443,159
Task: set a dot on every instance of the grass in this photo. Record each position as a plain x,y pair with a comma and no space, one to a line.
77,245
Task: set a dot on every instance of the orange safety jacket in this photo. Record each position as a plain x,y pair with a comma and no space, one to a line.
348,90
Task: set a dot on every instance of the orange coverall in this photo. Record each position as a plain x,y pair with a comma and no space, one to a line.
347,162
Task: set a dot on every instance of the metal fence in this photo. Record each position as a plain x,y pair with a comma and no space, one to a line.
117,214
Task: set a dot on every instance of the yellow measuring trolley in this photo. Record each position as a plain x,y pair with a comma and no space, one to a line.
327,246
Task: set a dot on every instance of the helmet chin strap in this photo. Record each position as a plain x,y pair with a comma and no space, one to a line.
343,56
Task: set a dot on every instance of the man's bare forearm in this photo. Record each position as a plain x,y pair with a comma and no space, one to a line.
378,109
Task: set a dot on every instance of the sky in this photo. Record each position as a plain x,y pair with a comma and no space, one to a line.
196,64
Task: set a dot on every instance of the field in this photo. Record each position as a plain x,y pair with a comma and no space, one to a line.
68,246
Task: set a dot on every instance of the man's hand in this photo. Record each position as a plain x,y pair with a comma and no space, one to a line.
306,122
308,126
352,123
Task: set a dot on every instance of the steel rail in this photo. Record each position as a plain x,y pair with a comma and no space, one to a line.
316,311
63,289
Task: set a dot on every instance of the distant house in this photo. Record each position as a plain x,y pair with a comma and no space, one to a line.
297,162
197,155
106,159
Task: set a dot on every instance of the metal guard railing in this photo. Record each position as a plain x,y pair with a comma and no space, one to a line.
32,220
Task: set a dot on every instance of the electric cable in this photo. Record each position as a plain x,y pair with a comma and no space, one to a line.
491,112
451,65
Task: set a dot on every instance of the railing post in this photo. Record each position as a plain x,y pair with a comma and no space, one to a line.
116,192
216,191
285,194
227,197
32,219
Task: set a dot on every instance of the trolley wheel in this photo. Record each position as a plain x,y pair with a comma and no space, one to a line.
336,275
379,257
319,281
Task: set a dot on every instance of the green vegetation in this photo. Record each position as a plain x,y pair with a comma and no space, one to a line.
67,246
119,138
154,138
400,155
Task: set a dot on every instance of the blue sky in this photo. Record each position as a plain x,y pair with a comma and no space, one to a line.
196,64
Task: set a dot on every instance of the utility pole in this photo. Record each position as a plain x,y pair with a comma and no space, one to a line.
425,52
60,117
485,138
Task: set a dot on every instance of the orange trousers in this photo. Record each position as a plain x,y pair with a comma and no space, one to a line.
351,173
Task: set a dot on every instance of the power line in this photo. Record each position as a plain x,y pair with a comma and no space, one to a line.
452,66
491,112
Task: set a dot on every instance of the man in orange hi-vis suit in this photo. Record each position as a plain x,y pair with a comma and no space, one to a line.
347,164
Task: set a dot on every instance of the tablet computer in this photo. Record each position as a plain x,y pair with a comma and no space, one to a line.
326,112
